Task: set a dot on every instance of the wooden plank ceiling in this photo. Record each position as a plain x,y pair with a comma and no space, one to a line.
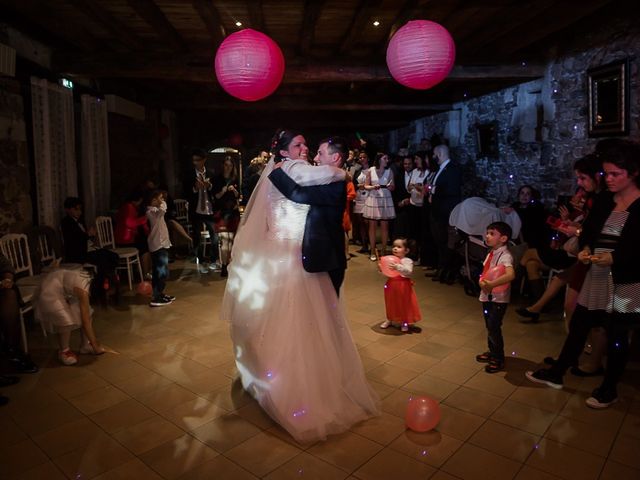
160,52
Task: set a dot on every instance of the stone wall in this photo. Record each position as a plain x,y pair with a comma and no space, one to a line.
15,184
541,125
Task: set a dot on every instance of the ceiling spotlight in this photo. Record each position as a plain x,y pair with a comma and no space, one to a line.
376,23
238,24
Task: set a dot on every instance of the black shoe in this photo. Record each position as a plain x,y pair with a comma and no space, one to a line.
224,272
532,317
23,364
169,298
494,366
602,398
578,372
8,380
549,361
432,273
483,357
159,302
545,377
436,278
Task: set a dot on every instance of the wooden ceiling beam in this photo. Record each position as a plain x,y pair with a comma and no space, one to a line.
312,10
256,15
98,14
211,19
405,13
295,105
151,13
196,68
361,19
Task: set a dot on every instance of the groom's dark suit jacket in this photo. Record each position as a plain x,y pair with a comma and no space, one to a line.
323,241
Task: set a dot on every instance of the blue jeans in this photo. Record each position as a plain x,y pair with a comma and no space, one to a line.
160,262
493,315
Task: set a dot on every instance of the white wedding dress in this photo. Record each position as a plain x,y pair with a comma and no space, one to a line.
293,348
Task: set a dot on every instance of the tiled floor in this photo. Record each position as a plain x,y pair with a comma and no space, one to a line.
167,406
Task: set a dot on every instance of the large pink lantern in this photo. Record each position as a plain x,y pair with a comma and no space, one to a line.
421,54
249,65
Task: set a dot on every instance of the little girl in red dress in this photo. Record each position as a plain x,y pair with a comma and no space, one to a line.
399,296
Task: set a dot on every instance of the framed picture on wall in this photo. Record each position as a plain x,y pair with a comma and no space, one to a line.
609,99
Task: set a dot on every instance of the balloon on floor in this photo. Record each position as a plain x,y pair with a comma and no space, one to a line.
423,414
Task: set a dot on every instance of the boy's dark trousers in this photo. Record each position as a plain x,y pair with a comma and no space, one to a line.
493,314
160,262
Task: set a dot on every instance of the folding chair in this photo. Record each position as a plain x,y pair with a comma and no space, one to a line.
128,255
182,213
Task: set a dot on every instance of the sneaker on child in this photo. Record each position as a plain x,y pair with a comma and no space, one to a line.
159,302
545,377
385,324
601,398
67,357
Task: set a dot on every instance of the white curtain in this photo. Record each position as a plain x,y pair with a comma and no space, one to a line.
95,163
54,149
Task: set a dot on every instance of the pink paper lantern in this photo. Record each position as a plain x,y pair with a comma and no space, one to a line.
421,54
249,65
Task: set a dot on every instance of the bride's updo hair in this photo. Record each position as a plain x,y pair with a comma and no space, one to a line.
281,141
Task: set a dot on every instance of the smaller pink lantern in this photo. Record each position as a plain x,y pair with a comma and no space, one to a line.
423,414
421,54
249,65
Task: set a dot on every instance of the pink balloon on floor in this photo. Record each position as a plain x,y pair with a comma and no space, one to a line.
423,414
386,266
492,274
144,288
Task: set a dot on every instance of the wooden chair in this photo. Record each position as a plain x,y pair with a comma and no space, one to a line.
128,255
15,247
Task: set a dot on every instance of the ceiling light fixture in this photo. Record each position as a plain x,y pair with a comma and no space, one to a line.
238,24
376,23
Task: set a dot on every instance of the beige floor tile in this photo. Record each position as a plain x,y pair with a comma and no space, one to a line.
177,457
390,464
523,417
98,399
452,372
474,401
505,440
608,418
20,457
626,451
10,433
73,387
471,462
308,467
133,469
565,462
204,382
413,361
68,437
230,397
380,352
97,456
381,389
440,475
39,419
221,468
122,415
347,451
254,413
434,387
465,357
433,350
433,448
449,339
391,375
262,453
149,434
382,429
142,384
631,425
617,471
495,383
458,424
584,436
48,471
194,413
396,403
370,363
165,398
544,398
530,473
225,432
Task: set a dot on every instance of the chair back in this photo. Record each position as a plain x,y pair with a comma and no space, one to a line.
182,210
15,247
47,254
104,229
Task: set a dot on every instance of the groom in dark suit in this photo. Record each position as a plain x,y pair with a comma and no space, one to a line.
323,244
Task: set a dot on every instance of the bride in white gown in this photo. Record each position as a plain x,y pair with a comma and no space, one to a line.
293,347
